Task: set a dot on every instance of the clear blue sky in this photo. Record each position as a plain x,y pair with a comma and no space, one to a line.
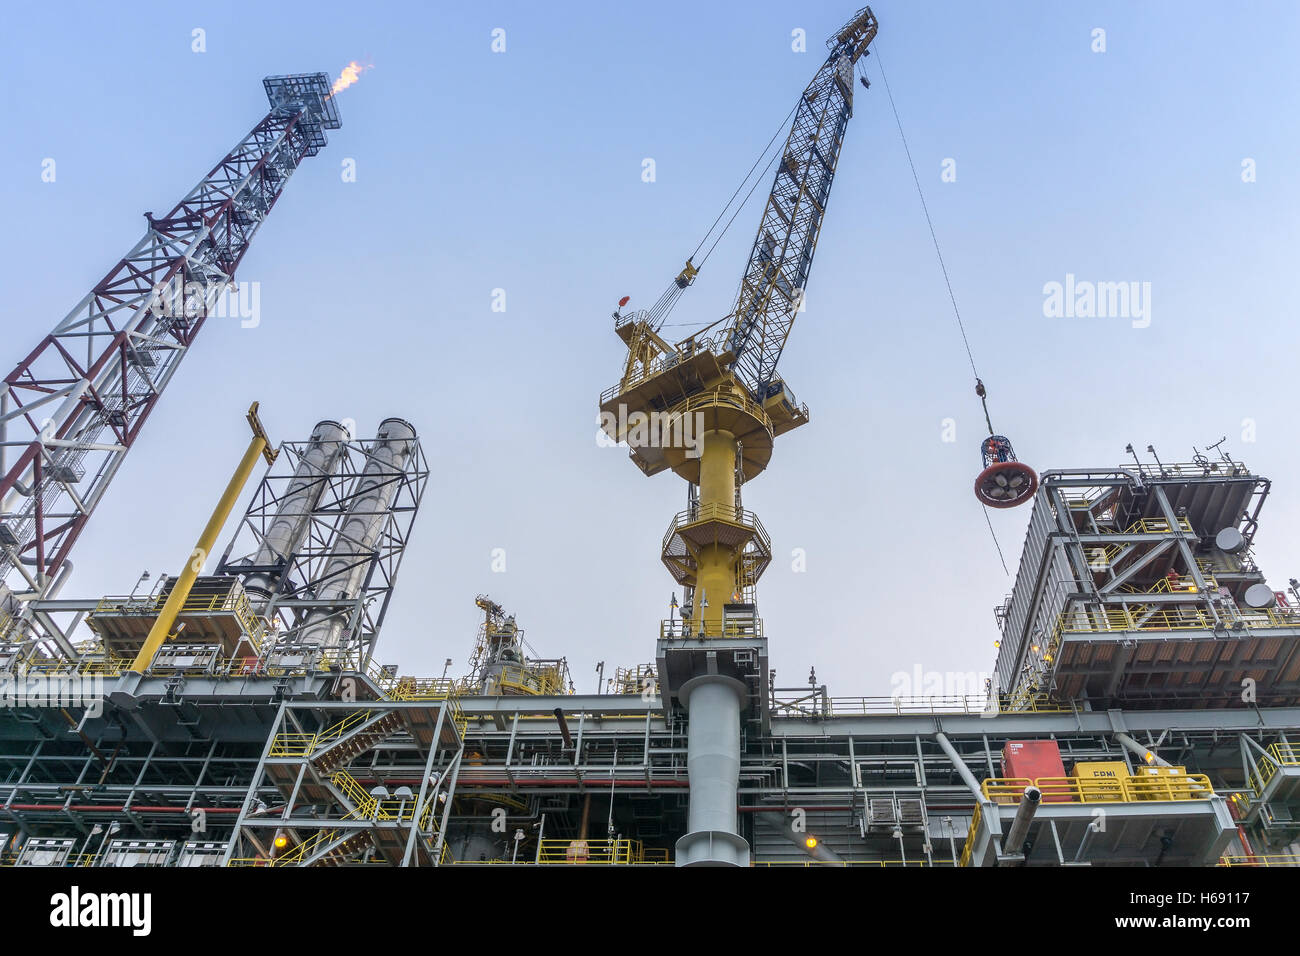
522,171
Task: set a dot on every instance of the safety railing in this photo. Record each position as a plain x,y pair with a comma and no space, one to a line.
1187,618
715,511
405,688
208,596
363,804
635,680
875,863
591,852
1165,787
263,861
543,681
428,819
714,344
732,628
1191,469
1026,699
969,845
72,859
86,666
814,705
1264,859
291,744
95,664
1109,553
1179,585
293,855
1276,757
421,688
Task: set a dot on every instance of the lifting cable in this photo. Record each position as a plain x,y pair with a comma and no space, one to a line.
666,302
780,129
979,385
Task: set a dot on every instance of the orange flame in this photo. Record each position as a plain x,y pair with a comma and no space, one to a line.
351,73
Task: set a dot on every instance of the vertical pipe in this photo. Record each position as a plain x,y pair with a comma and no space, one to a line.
345,570
302,496
963,771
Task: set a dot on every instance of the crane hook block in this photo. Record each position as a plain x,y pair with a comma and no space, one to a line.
687,275
1004,482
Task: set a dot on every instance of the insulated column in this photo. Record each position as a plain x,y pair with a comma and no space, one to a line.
713,765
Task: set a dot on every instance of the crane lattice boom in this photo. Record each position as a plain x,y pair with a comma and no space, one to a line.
777,275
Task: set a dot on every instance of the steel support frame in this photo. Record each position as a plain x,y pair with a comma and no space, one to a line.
304,573
81,397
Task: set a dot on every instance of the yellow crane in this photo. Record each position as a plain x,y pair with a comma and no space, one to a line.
710,406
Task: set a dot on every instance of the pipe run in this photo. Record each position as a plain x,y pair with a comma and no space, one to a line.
962,770
1019,832
1146,754
96,808
344,574
818,851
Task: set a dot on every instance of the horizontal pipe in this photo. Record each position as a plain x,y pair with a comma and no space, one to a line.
591,781
96,808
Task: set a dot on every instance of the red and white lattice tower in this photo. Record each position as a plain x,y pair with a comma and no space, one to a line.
75,405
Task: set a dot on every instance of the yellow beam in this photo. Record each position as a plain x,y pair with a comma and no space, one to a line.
162,625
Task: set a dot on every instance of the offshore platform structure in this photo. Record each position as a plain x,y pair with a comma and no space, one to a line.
501,663
198,713
1144,709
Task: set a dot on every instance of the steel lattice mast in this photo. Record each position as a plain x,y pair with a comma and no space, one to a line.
75,405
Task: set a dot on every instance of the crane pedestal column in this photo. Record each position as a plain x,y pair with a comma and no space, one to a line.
713,703
716,572
720,683
716,547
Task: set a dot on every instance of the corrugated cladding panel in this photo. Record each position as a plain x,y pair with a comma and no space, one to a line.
1042,522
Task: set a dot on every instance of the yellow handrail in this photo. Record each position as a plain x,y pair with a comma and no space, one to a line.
1265,859
598,852
969,846
1168,787
1277,756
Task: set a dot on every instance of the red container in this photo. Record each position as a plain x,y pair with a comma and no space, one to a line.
1033,760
